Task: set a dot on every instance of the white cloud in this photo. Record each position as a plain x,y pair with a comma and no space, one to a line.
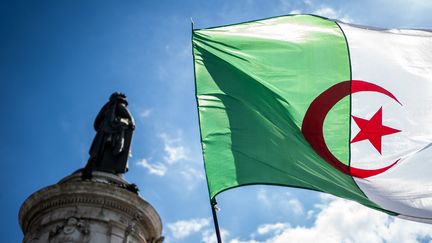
283,202
411,7
308,2
209,236
295,11
145,113
263,197
241,241
310,214
284,5
192,174
308,6
331,13
341,220
158,169
189,172
174,149
295,206
347,221
175,153
272,228
184,228
383,13
326,11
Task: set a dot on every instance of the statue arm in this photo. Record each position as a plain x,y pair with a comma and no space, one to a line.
124,112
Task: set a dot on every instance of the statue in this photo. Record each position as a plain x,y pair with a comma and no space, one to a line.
110,149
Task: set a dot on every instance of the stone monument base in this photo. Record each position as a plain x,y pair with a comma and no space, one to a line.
100,210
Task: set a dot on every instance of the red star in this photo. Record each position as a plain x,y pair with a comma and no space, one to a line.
372,130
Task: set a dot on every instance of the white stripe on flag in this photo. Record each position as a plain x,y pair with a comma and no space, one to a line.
399,61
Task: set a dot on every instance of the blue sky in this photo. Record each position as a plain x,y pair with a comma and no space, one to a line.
60,61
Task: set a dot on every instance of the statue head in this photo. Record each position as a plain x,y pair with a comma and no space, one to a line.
118,97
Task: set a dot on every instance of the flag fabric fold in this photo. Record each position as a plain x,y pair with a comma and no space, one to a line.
308,102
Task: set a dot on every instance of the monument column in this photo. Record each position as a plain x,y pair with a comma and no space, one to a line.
95,204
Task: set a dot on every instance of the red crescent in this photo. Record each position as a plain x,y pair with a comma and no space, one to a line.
313,122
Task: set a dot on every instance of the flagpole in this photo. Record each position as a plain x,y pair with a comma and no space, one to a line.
213,204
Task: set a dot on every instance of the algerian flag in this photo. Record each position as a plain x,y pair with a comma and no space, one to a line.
308,102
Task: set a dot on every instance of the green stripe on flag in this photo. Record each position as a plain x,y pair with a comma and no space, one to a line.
255,82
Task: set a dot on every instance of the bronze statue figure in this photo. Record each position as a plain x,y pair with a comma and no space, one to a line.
114,127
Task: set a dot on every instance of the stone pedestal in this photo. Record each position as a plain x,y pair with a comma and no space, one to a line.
100,210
